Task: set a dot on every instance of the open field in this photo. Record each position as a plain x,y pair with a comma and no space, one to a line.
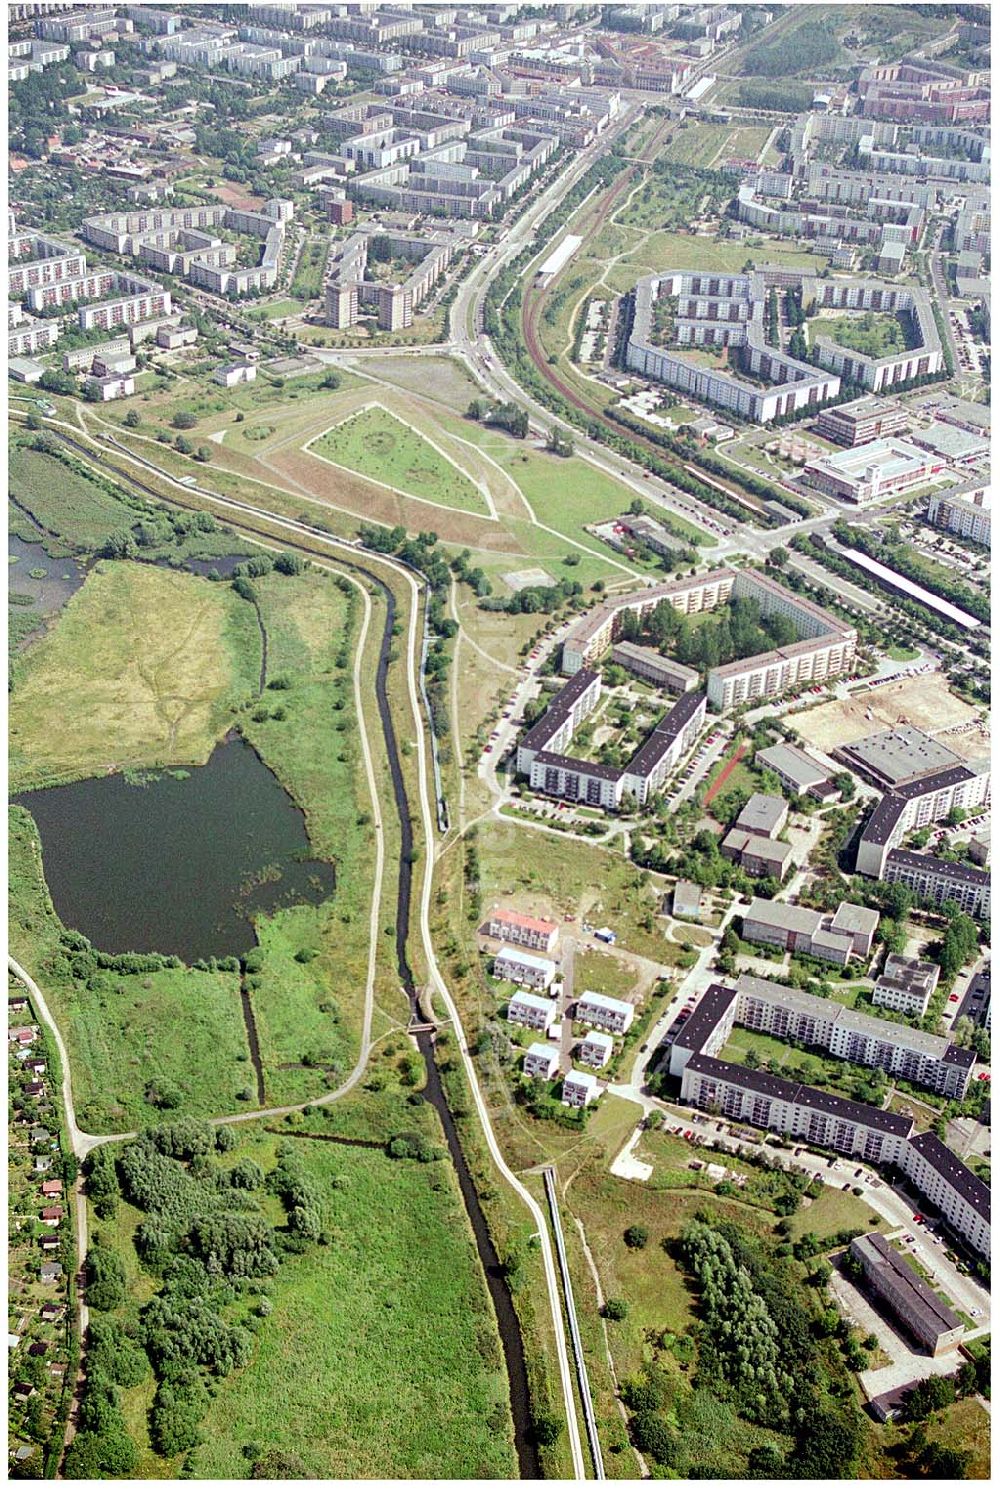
404,1376
143,668
602,972
925,702
308,1011
378,445
425,1397
122,1030
539,874
308,281
698,144
59,499
444,377
833,1211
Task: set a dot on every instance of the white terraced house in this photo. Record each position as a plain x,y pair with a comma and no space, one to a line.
604,1012
514,965
531,1011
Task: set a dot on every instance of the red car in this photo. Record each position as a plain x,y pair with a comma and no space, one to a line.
918,1220
952,997
983,1076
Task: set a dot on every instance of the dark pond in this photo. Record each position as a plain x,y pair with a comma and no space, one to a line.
62,576
177,866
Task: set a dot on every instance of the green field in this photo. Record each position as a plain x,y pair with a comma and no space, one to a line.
378,1357
121,1030
143,668
698,144
312,1008
308,281
376,444
61,500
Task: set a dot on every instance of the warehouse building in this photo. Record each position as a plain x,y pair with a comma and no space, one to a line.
799,773
873,472
909,1299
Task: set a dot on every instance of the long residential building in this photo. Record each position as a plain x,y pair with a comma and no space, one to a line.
940,882
818,1117
35,259
530,931
678,309
182,240
827,650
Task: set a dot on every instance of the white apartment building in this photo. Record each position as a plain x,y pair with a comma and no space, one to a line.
531,1011
965,511
541,1061
596,1048
579,1088
514,965
906,985
603,1012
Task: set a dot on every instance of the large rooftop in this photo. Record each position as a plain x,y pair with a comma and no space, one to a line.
897,756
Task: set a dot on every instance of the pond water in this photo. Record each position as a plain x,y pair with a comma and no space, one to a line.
62,577
178,866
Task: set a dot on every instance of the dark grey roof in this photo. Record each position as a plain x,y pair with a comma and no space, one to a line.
558,710
961,1179
882,823
914,1302
648,755
715,1004
954,1056
960,872
928,785
583,767
794,1092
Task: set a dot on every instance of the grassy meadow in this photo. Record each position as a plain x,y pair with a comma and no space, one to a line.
376,444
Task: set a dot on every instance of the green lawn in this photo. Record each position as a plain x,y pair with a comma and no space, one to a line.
308,281
871,334
602,972
123,1031
281,308
376,444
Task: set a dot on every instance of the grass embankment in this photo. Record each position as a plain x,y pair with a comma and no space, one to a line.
61,500
314,958
143,669
376,444
173,1029
378,1357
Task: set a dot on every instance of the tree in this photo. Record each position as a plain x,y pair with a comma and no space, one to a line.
184,419
289,563
845,784
927,1396
105,1277
546,1428
653,1436
778,557
616,1309
182,445
766,1462
636,1237
203,453
939,1462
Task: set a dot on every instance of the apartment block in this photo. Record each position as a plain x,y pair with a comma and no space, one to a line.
864,1039
541,1061
795,928
612,1014
596,1048
939,882
531,1011
906,985
514,965
530,931
579,1089
965,511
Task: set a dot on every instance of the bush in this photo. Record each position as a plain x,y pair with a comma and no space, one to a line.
636,1237
184,419
616,1309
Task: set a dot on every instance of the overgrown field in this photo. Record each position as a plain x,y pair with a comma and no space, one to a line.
144,668
353,1338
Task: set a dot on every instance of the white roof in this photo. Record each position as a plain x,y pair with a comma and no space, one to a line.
598,1037
542,1052
561,255
532,1000
526,959
581,1078
601,1000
